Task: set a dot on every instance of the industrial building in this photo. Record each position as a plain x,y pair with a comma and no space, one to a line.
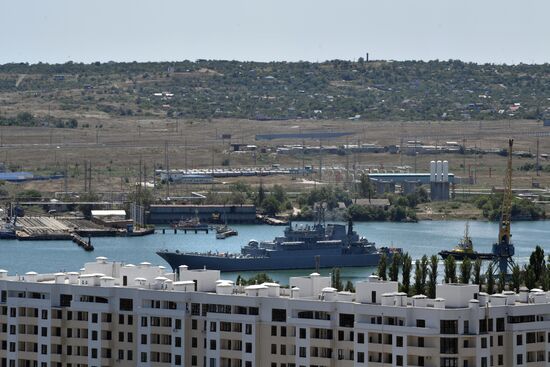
165,214
111,314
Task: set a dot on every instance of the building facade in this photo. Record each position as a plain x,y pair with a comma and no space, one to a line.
111,314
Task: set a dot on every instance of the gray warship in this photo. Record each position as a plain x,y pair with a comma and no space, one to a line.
303,246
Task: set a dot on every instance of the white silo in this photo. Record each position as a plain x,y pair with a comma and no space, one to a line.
439,171
432,171
445,177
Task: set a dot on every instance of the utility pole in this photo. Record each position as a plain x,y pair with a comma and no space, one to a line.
167,167
85,176
537,168
66,178
320,161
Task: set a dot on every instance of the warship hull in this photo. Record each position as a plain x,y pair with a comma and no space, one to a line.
289,262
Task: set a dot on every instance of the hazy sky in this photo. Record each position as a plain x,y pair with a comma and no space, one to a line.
500,31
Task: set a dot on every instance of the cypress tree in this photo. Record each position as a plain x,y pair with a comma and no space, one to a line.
382,265
394,267
465,271
432,283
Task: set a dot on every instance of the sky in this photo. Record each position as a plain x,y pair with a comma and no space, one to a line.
57,31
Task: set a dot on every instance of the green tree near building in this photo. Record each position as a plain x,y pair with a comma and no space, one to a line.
516,278
490,276
477,272
432,281
450,269
418,285
394,267
406,273
382,265
465,271
336,279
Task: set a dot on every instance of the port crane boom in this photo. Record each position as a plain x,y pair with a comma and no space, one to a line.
503,250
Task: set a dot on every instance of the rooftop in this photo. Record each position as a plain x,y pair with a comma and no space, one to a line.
105,273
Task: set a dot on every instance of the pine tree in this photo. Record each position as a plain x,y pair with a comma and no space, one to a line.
465,271
501,282
432,283
382,265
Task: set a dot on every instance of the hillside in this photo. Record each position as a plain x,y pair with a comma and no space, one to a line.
379,90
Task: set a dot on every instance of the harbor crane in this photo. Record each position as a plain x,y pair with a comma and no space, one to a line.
503,250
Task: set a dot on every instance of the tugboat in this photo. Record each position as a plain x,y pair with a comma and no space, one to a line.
465,249
222,232
302,247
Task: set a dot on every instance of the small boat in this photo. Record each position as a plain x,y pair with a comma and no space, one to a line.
465,249
227,233
190,223
7,232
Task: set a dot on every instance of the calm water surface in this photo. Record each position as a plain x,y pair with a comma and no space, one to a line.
425,237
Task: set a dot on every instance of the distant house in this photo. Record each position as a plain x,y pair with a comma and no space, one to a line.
374,203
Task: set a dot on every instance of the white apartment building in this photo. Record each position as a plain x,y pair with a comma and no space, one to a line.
111,314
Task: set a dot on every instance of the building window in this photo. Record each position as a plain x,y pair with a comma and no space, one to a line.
278,315
449,326
346,320
421,360
399,360
213,327
420,323
248,347
126,304
274,331
143,357
484,343
519,340
361,338
449,362
212,344
519,358
302,352
193,360
399,341
248,329
360,357
483,361
449,345
283,330
302,333
94,318
143,338
273,348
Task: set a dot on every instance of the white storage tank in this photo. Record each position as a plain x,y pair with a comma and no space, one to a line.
256,290
101,260
432,171
3,274
439,303
483,299
439,171
140,282
224,288
184,286
295,292
329,294
401,299
107,281
473,303
345,296
30,276
445,177
524,294
498,300
273,289
420,300
387,299
510,297
73,277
